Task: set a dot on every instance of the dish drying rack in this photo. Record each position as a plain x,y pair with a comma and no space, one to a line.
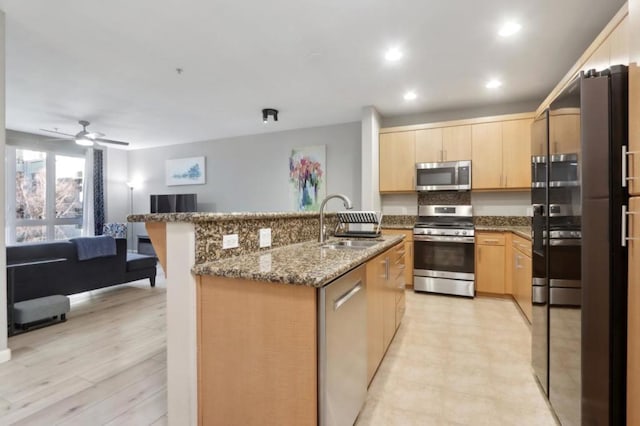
347,218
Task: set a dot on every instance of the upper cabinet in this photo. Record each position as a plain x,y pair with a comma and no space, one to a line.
501,155
397,162
499,149
443,144
564,131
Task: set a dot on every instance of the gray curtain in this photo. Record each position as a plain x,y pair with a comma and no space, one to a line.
98,191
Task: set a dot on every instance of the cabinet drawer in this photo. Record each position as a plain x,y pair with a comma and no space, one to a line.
521,244
490,238
408,233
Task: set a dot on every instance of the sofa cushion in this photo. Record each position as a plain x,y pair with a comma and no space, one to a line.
140,261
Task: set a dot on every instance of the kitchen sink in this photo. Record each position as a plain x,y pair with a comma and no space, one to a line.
350,244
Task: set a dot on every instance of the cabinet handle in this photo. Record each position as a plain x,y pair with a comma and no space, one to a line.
626,213
628,155
555,147
479,254
500,180
488,241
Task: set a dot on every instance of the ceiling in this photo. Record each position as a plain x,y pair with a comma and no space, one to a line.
114,62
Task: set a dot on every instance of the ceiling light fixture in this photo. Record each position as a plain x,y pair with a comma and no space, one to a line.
509,29
269,112
410,96
84,141
393,54
493,84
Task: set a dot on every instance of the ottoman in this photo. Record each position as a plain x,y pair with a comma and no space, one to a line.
42,308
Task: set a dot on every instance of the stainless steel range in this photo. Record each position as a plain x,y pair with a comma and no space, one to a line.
443,259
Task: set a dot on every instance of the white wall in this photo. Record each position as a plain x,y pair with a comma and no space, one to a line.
501,203
251,173
116,189
370,159
5,352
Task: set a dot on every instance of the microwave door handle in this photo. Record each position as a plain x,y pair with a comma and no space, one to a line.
456,181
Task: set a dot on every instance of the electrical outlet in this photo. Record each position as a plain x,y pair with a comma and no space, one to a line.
229,241
265,237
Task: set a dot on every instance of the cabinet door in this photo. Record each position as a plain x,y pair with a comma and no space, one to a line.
522,282
564,132
376,275
516,151
486,155
388,305
397,162
428,145
490,269
538,130
408,263
456,143
634,127
633,327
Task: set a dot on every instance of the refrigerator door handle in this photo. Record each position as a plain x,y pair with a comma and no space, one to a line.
625,157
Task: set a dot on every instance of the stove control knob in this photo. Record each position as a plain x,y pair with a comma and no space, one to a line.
457,232
463,233
428,232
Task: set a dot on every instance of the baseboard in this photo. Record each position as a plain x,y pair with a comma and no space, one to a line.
5,355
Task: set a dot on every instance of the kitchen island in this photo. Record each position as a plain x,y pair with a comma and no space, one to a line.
242,324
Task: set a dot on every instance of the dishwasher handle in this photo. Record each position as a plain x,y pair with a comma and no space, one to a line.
348,295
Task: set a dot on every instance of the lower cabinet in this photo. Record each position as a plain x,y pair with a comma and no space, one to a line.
385,303
490,262
503,267
521,274
408,252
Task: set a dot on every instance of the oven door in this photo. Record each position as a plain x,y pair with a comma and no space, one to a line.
443,257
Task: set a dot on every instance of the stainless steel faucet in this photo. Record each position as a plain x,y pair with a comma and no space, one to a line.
347,205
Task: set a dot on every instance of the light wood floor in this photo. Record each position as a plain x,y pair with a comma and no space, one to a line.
453,361
105,366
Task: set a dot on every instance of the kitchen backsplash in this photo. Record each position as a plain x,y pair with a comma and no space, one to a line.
502,220
448,198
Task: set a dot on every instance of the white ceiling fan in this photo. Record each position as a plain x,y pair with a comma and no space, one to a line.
86,138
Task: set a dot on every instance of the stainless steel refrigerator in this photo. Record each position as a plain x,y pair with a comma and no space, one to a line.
579,286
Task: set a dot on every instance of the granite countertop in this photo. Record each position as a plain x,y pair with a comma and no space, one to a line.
304,263
521,231
219,217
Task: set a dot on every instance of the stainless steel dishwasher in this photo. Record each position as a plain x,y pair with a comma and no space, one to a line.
342,349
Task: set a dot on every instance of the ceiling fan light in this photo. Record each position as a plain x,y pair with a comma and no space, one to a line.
84,141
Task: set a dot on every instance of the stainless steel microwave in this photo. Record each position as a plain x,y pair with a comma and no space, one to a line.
443,176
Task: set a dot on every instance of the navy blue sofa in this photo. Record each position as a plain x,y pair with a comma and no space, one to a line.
74,276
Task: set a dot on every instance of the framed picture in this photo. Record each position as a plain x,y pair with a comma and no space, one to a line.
185,171
307,177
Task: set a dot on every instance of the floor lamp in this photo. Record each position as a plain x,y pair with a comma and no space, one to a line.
131,185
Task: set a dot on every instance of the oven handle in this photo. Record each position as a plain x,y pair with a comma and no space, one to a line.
439,239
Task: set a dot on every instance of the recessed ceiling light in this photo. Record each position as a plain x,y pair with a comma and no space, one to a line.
393,54
409,96
509,29
493,84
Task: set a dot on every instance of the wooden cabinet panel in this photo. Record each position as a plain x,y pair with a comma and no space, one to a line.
634,125
486,155
619,48
397,162
428,145
376,274
490,262
516,151
521,279
490,269
538,130
456,143
633,326
564,131
408,252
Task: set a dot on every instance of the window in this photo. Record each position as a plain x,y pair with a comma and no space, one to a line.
46,194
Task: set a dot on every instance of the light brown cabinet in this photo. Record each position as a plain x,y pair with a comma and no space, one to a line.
385,303
521,274
408,252
490,262
443,144
501,155
397,162
564,131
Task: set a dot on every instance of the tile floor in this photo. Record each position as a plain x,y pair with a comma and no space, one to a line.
456,361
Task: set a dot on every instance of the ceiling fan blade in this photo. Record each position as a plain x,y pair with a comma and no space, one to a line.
94,135
57,133
59,139
101,140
